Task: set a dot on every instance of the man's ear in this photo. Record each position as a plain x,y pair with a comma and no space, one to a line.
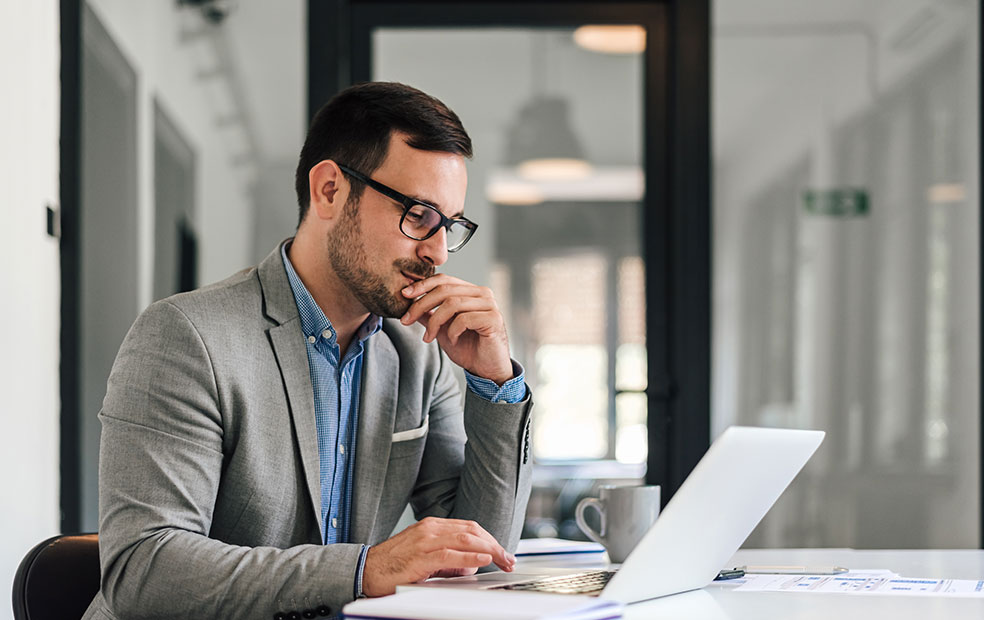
329,189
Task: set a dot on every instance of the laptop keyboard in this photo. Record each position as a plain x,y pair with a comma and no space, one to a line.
592,582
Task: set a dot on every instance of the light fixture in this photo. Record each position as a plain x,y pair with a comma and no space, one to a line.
554,169
946,192
608,184
513,192
542,144
611,39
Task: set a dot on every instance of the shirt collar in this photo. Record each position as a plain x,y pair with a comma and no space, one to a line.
313,319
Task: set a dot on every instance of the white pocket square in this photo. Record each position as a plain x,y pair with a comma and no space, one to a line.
413,433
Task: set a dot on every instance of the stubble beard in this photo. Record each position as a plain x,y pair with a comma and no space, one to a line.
349,259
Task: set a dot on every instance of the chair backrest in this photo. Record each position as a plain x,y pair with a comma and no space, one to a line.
58,578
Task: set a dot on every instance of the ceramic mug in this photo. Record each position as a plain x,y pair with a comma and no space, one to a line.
627,513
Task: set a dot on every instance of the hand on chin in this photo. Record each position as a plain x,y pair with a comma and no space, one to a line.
466,322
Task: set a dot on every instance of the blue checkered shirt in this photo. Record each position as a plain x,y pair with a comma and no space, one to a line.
336,406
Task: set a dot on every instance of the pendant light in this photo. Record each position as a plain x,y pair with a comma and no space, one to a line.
541,144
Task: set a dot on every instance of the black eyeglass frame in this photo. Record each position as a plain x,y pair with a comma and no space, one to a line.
408,203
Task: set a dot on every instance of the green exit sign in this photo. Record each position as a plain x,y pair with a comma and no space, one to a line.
843,202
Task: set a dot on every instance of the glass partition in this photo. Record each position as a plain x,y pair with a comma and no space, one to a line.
846,260
556,185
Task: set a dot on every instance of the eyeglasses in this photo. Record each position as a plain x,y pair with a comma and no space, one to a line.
420,220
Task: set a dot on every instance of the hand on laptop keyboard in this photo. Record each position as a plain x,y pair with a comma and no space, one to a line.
431,547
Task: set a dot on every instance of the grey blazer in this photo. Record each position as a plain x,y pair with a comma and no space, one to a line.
209,495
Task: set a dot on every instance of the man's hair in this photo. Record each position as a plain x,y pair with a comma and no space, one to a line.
354,129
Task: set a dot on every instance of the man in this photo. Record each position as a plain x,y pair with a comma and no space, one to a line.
262,436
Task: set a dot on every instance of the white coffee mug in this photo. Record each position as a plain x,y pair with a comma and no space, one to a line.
627,513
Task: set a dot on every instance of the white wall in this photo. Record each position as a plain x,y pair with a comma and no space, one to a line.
29,281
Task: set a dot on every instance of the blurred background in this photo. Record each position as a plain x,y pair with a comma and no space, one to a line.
842,232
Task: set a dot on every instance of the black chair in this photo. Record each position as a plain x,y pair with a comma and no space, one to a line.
58,578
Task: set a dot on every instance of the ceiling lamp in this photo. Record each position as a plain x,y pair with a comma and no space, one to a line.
542,144
627,39
507,192
946,192
554,169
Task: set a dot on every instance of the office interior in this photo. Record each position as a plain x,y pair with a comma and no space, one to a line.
769,215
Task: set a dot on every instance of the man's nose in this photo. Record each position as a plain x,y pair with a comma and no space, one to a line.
435,249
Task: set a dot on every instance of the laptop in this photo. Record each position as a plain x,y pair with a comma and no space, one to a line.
719,504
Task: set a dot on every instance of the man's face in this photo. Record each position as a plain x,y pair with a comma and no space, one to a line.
366,249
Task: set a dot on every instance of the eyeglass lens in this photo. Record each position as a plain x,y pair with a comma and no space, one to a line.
420,221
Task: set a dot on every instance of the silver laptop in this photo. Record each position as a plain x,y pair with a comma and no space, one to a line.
726,495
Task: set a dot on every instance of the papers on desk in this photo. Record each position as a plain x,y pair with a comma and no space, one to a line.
555,546
449,604
882,582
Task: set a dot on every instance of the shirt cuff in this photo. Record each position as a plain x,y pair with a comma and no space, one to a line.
360,568
511,391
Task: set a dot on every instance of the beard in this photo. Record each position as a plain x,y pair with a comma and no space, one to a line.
349,259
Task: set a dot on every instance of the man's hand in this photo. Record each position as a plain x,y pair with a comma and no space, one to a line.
431,548
466,322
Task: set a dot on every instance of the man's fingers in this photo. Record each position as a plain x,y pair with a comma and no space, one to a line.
464,539
435,297
429,294
473,321
471,527
448,310
463,535
428,284
451,559
432,546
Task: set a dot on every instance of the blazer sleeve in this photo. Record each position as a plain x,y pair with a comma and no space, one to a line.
161,461
476,466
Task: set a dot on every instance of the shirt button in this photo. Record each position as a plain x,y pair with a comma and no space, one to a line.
334,523
312,339
341,449
326,334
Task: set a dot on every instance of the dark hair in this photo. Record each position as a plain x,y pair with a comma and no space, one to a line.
354,129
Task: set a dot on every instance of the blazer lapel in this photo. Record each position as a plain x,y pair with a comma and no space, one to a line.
377,416
288,346
291,352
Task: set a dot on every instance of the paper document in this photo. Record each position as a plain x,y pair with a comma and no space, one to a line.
482,605
862,582
552,546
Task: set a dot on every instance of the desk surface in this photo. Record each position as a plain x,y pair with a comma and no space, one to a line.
718,601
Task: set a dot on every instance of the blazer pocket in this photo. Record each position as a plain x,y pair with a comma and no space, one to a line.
413,433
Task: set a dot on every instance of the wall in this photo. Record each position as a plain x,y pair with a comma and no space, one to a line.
180,69
170,51
29,280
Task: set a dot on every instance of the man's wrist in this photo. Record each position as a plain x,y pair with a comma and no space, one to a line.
510,391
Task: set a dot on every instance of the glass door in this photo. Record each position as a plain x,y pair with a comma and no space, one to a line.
847,261
557,106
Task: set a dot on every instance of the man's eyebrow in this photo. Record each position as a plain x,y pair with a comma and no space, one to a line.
436,205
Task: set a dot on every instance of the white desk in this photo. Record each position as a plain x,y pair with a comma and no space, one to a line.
719,601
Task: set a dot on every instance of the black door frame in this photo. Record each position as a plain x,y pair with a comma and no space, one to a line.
70,248
677,207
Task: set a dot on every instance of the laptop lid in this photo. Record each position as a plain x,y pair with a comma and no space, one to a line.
719,504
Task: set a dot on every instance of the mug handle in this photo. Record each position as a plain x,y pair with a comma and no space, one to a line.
584,504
